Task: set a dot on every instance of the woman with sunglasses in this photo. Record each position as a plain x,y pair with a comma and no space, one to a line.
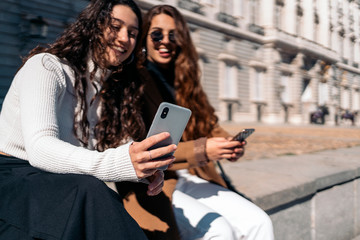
67,125
203,207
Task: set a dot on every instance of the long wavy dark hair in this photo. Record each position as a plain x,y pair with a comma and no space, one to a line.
120,93
188,90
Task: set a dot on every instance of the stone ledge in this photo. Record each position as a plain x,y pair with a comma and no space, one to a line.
310,196
270,183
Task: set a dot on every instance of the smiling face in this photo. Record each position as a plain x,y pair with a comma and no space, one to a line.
121,35
163,51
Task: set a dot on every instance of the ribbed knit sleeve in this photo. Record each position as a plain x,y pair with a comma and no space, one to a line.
41,85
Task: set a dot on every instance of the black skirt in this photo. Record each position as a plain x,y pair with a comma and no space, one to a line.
35,204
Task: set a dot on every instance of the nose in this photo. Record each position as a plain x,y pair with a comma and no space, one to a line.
165,39
122,35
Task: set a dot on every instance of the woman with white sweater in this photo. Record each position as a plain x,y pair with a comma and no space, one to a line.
67,125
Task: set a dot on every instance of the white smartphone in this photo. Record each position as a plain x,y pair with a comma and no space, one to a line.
169,118
241,136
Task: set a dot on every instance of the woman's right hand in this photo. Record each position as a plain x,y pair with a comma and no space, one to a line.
143,159
218,148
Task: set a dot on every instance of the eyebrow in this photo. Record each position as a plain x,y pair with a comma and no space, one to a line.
122,22
159,28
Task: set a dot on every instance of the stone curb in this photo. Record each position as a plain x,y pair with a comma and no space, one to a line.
271,183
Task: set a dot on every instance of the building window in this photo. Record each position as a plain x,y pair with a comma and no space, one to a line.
341,46
257,90
323,92
254,7
227,13
335,94
231,7
352,49
237,8
228,86
228,66
316,32
258,86
191,5
306,93
316,26
299,24
229,89
209,2
278,16
345,99
285,90
226,6
356,100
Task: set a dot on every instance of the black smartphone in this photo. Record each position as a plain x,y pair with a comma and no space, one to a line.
241,136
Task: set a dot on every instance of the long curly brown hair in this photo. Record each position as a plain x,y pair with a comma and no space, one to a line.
188,90
120,93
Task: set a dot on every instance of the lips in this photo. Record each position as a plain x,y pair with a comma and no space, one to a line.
119,50
120,53
164,52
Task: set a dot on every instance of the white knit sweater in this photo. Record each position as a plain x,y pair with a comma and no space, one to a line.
36,124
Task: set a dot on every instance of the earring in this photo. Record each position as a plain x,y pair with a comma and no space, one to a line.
144,51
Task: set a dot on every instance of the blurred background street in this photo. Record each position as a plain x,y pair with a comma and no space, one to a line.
275,140
271,62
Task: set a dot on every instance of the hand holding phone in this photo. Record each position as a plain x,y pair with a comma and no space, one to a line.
146,163
169,118
241,136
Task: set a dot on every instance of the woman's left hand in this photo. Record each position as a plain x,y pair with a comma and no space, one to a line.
238,152
156,183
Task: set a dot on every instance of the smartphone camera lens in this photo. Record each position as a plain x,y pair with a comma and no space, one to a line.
164,112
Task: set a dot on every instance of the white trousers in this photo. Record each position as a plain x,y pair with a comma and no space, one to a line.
208,211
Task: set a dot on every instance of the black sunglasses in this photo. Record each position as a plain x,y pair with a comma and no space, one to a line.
158,36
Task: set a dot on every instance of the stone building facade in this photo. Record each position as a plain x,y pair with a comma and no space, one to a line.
26,23
272,61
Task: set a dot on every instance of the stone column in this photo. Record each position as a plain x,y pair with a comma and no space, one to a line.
297,87
272,109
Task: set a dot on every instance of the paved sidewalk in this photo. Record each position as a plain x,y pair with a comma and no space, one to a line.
308,196
301,175
271,181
